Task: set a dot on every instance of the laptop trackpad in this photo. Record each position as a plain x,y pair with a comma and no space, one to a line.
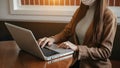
60,50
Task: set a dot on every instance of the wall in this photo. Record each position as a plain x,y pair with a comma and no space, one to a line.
5,15
38,28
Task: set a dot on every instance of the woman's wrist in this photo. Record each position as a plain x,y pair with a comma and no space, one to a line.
52,37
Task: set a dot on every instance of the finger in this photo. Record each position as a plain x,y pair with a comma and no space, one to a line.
62,46
50,43
41,40
66,45
44,43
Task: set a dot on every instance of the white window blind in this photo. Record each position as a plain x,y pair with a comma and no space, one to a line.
114,2
62,2
52,10
51,2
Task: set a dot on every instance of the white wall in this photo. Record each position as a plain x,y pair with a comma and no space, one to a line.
7,16
116,10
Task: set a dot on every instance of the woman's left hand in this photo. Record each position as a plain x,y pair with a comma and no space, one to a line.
67,45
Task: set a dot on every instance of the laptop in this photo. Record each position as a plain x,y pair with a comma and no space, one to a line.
27,42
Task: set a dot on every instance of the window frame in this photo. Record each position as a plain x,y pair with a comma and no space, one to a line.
116,10
58,13
17,8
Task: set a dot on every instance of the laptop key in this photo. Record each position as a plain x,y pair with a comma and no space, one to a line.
48,52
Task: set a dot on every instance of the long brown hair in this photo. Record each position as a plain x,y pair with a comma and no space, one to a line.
101,5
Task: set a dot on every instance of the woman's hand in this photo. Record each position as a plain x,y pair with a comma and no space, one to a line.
67,45
46,40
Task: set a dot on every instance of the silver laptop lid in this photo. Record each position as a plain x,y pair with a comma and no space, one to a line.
25,40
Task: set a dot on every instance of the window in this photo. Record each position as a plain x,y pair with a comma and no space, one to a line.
51,2
44,7
115,6
114,2
53,10
50,10
62,2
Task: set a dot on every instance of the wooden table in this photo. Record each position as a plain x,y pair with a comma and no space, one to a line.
12,57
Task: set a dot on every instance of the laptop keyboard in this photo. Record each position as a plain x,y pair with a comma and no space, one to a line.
48,52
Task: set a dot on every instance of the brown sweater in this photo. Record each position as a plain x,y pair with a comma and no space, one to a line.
92,54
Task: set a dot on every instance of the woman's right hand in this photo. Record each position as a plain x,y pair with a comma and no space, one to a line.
46,40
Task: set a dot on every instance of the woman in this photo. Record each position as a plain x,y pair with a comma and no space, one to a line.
93,27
